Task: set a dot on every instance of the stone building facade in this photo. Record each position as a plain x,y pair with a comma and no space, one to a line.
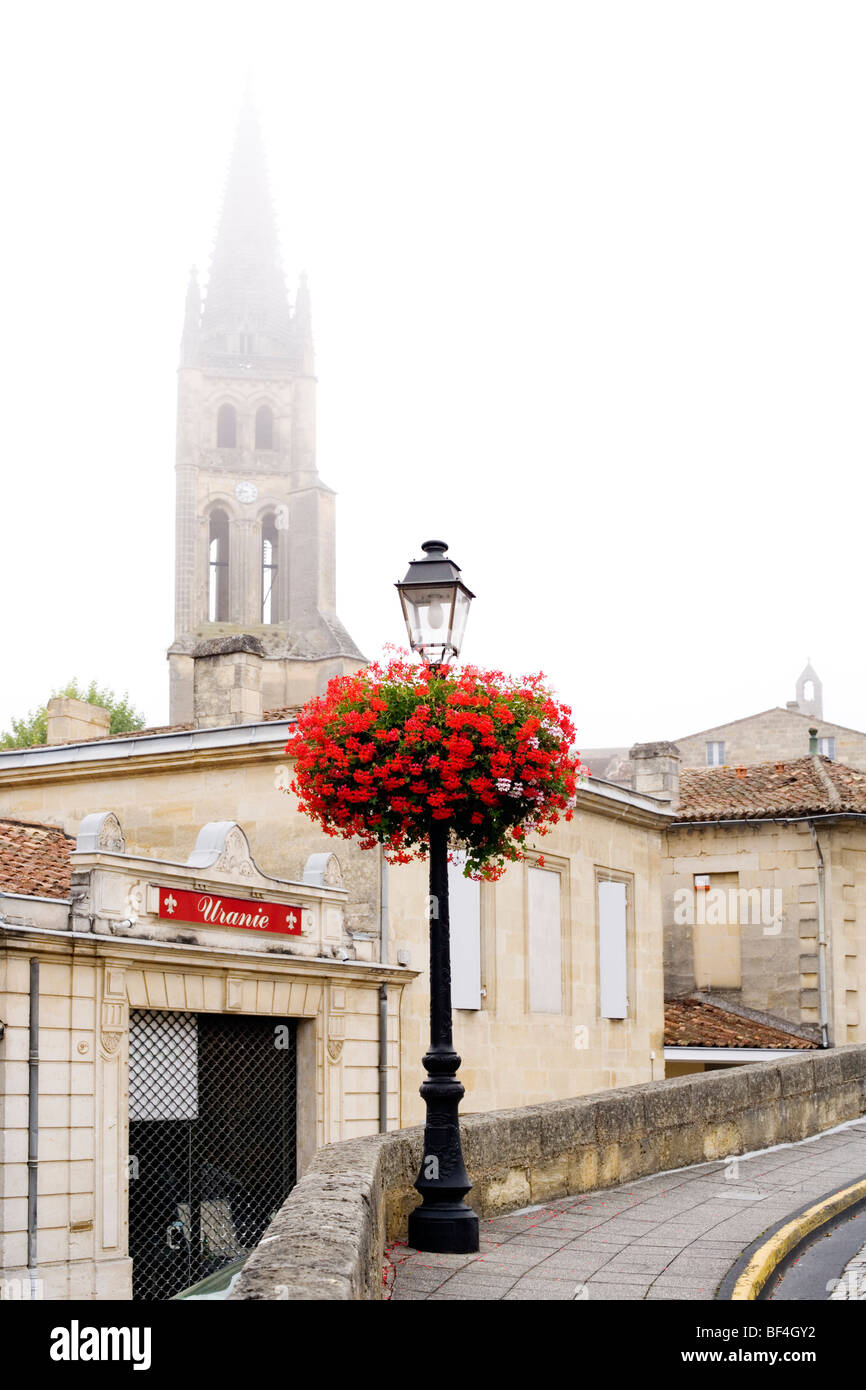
776,735
764,893
162,785
255,545
145,1099
557,967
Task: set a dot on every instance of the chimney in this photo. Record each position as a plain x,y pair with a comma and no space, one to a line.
813,742
656,771
71,721
227,681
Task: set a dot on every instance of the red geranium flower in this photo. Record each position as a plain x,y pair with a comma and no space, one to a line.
389,749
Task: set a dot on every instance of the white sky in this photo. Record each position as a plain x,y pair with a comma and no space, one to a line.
589,302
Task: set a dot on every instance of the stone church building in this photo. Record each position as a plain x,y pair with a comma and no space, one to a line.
255,549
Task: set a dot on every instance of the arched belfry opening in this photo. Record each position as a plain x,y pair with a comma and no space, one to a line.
264,427
227,427
810,694
270,569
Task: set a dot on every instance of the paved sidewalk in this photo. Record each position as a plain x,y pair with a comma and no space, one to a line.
669,1236
852,1282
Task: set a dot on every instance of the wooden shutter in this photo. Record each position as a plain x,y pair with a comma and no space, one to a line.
464,905
545,942
612,948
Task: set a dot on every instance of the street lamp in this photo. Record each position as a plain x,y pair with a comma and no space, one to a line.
436,606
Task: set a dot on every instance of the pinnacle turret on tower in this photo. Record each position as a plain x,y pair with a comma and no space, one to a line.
303,322
189,346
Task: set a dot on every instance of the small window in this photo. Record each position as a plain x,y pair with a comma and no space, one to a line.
227,427
613,948
827,746
264,427
464,910
246,343
270,569
715,754
218,567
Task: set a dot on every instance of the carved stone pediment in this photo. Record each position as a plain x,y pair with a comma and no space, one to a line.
323,871
100,833
223,846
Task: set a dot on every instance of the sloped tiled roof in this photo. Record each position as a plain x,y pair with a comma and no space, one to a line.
692,1023
813,785
34,859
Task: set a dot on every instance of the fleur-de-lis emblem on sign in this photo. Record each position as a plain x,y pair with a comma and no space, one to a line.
170,905
291,918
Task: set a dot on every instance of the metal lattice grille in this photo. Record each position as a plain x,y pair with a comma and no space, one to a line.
212,1141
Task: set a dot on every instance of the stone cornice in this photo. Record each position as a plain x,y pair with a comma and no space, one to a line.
619,803
169,758
128,950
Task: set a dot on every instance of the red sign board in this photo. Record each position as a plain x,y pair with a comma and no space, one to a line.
213,910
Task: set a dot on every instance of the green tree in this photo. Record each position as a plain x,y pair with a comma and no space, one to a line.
33,729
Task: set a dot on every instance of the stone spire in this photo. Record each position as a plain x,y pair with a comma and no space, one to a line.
246,310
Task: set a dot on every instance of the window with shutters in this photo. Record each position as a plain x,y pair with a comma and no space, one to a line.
614,895
464,909
544,946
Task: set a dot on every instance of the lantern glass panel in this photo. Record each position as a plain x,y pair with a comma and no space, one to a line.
461,613
428,611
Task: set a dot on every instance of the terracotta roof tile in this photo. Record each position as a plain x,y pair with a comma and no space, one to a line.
813,785
692,1023
34,859
285,712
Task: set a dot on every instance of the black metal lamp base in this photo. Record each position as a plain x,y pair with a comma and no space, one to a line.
448,1228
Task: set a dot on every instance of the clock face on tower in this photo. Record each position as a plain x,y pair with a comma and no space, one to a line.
246,492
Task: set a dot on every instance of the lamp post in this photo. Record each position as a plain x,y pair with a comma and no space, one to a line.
436,606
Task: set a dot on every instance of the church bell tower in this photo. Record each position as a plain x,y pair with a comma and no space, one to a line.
255,546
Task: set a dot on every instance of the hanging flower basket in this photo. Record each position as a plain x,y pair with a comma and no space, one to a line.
385,751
